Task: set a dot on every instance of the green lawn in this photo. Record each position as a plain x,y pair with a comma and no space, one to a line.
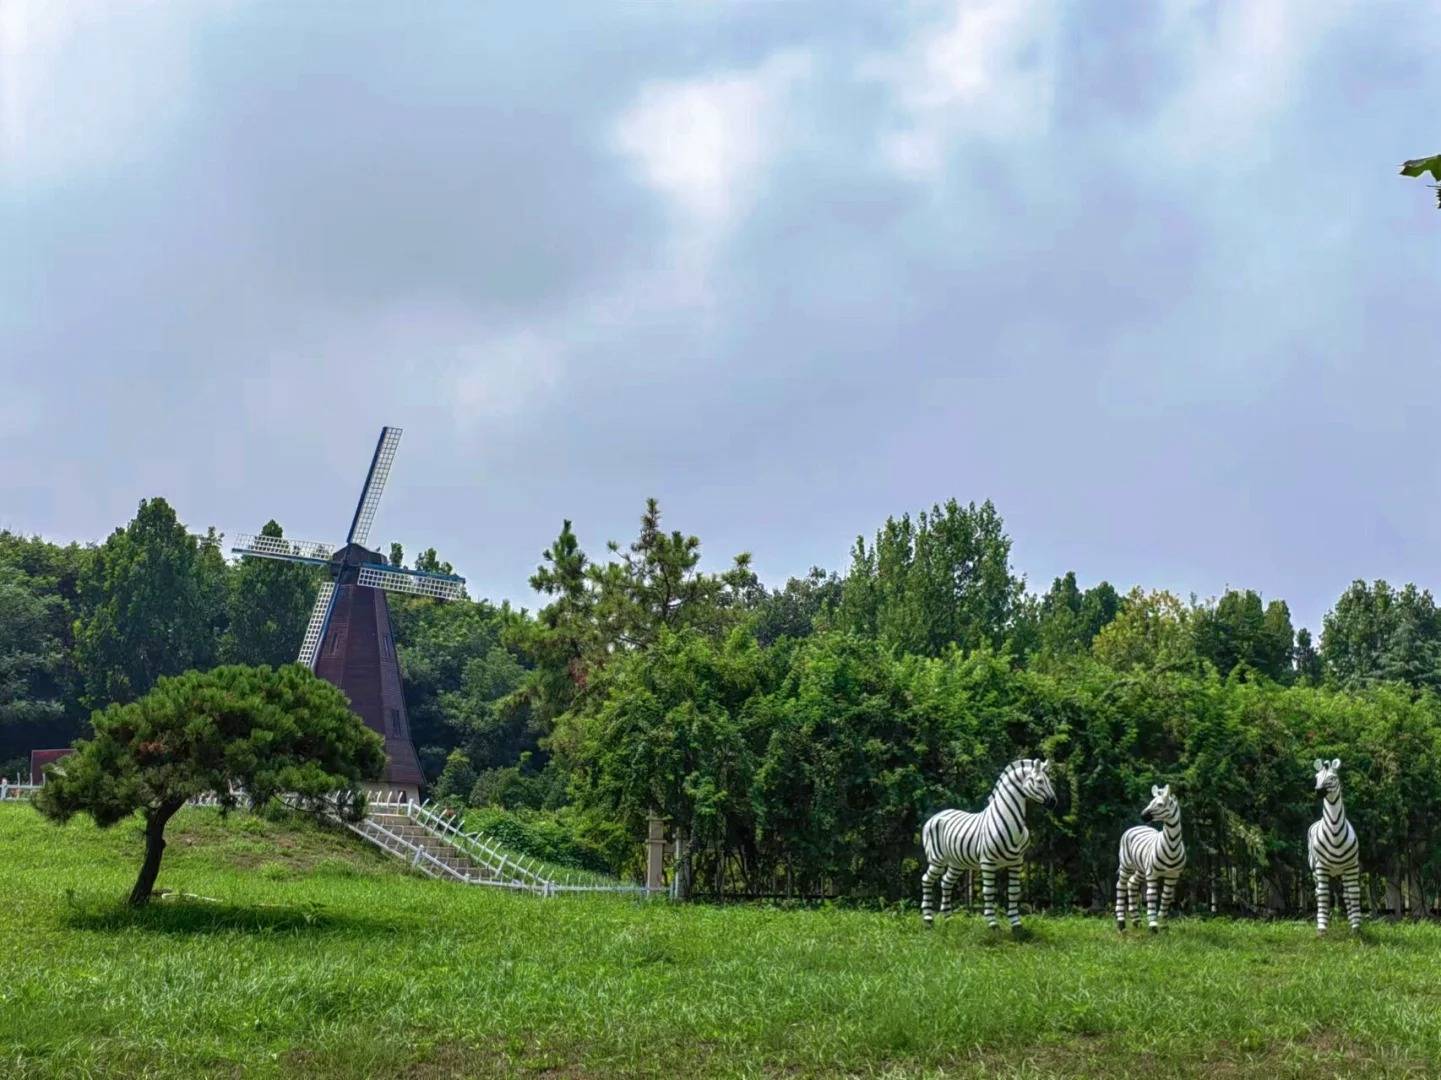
322,960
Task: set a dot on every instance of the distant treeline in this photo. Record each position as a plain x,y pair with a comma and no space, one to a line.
797,737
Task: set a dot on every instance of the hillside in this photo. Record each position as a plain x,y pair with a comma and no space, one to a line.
322,959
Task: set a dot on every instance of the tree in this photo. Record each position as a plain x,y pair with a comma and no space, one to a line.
943,579
1237,631
269,604
655,586
670,735
1379,634
457,778
564,633
29,650
151,605
268,732
1068,619
1306,661
601,611
42,654
397,555
1153,630
427,560
1421,166
794,611
459,676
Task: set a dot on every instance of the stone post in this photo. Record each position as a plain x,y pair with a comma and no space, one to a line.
655,854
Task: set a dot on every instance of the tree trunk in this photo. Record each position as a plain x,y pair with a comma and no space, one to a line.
155,822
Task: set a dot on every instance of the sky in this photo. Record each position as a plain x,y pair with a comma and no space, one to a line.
1143,274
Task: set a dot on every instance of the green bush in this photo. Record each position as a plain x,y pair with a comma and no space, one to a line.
558,837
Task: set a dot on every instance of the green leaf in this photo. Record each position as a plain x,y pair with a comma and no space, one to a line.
1420,166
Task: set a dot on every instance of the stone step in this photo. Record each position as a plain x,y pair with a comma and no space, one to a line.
438,847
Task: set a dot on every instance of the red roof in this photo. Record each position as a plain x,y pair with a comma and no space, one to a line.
40,758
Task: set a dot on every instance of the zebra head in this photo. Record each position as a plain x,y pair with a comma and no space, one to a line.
1036,781
1328,775
1163,807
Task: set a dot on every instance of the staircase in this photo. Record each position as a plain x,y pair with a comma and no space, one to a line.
434,844
395,831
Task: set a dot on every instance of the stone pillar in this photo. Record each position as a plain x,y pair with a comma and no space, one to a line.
655,854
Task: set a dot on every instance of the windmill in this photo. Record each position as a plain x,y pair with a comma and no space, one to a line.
349,641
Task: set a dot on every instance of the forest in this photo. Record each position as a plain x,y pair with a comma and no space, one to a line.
796,737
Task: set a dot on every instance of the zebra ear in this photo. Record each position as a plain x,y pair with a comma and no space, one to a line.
1335,764
1155,791
1046,766
1318,764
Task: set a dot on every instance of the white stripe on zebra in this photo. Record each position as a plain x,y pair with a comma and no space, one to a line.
993,839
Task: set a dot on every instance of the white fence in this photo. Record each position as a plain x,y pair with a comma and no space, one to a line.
15,792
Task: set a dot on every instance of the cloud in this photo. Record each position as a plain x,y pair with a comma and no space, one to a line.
790,267
1239,68
988,71
503,376
85,86
704,142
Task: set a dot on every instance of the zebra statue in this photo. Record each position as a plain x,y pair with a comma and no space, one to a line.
993,839
1332,850
1156,856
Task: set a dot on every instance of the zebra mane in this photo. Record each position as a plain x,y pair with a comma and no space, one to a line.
1011,775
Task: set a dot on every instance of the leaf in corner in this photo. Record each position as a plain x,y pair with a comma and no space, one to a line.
1423,165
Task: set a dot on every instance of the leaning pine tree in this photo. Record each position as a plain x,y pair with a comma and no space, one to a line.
265,731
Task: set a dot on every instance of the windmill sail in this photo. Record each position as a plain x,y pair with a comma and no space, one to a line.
279,547
315,630
374,486
417,582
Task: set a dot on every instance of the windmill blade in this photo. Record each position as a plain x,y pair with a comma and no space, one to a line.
315,630
416,582
278,547
374,485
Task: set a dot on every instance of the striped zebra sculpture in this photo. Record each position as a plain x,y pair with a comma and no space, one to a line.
994,839
1332,850
1155,856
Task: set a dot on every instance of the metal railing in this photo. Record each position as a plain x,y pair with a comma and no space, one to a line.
16,792
415,854
525,870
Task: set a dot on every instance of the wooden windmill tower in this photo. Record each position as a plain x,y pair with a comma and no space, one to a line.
349,641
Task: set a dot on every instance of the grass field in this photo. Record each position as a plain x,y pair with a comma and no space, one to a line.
322,960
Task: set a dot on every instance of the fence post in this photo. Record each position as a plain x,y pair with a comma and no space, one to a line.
655,854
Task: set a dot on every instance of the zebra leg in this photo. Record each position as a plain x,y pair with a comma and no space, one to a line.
1353,898
1133,889
1323,900
928,881
988,893
1168,894
948,884
1013,896
1121,901
1151,882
